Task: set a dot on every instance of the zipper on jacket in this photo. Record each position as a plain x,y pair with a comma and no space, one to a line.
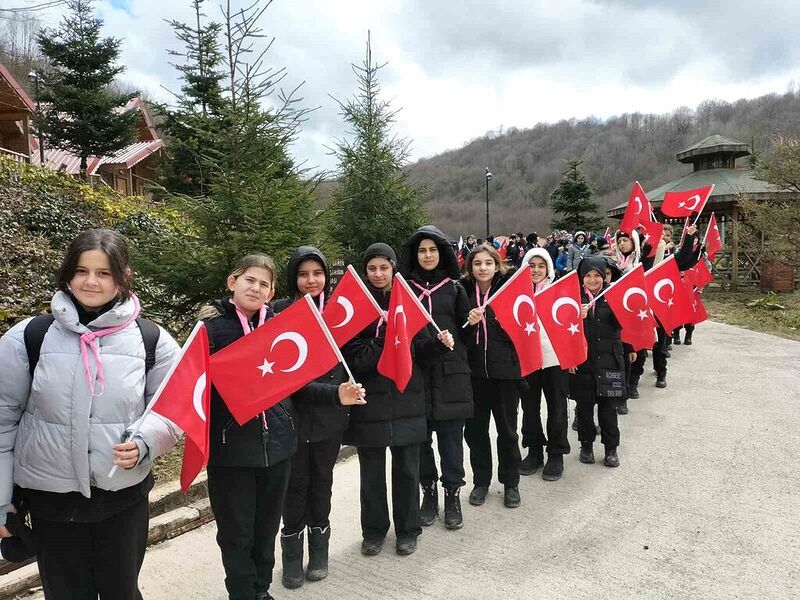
287,413
224,429
265,436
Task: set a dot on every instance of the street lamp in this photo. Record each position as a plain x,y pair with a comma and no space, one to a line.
488,179
34,78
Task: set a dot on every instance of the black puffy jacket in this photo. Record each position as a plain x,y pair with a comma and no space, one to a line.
265,440
497,359
447,372
389,418
316,405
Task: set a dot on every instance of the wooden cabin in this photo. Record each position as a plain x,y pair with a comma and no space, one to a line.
16,109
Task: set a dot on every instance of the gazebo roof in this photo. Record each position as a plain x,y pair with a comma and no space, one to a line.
713,144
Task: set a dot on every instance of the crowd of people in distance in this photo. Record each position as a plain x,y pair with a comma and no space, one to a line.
76,383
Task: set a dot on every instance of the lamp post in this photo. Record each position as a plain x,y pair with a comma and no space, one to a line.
34,78
488,179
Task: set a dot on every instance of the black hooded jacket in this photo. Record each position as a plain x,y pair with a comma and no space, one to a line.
447,372
316,405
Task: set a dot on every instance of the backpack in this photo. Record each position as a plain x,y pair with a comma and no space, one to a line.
38,326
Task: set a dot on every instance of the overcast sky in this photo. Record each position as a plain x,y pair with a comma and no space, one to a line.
459,68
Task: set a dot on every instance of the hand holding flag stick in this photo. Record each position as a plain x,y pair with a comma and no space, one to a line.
443,336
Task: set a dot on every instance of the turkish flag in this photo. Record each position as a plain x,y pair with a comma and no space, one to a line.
520,325
652,234
274,361
713,238
686,202
566,336
404,319
699,275
637,211
627,298
184,398
350,308
700,313
668,297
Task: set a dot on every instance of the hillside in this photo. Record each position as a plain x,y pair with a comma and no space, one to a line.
527,163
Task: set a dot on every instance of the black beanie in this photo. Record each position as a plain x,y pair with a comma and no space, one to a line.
592,263
381,250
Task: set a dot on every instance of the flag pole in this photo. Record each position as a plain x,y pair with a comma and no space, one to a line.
329,336
364,288
158,391
710,191
705,237
425,312
508,282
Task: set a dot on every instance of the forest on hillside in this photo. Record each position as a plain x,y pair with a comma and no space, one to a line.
527,163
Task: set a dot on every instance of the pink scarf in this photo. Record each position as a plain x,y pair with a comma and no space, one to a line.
481,303
427,293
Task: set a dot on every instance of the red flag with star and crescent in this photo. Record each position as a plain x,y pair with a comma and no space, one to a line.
699,275
637,211
515,310
350,309
260,369
559,312
685,202
627,298
667,294
404,319
184,398
713,238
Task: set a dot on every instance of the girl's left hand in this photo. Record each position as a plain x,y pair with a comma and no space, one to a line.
127,455
631,357
351,393
584,311
447,339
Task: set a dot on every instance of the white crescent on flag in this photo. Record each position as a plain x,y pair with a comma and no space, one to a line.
348,311
634,291
657,290
197,396
638,204
302,348
562,302
696,199
522,299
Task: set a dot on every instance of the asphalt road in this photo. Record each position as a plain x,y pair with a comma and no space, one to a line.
706,504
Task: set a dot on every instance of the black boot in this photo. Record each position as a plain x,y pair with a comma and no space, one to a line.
611,459
661,380
622,407
554,468
318,539
453,518
430,504
511,497
406,546
371,547
587,453
575,423
478,495
633,389
292,555
676,337
264,596
688,339
531,463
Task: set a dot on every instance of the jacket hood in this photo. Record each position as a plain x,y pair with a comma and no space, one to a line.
447,256
592,263
575,237
382,250
637,249
298,256
545,256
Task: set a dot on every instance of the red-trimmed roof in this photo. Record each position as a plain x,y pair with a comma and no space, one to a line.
23,95
129,155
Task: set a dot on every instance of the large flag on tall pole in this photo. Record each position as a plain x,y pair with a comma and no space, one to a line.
350,309
555,306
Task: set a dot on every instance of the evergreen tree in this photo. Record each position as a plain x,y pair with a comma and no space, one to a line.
193,124
375,200
573,200
80,112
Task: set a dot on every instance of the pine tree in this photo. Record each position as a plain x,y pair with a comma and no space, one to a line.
80,113
573,199
375,200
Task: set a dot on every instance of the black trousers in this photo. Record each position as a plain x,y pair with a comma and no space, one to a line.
498,398
606,417
450,442
688,327
659,358
308,499
405,492
247,503
554,382
82,561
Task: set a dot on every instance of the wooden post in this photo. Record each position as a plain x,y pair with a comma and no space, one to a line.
130,182
735,248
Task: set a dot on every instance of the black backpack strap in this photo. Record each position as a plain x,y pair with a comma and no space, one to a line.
34,334
150,335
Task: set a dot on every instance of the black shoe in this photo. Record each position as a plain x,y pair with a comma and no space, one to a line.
318,539
430,504
478,495
575,423
676,339
292,555
633,391
668,353
688,339
597,429
511,497
264,596
587,453
622,407
406,546
371,547
453,519
611,459
661,381
554,468
533,462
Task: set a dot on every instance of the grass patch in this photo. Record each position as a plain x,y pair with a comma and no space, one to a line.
167,467
778,314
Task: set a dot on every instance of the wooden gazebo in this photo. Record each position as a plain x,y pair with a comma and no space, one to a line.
714,161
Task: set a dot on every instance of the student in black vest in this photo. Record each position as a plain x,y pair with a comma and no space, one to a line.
320,427
430,265
495,382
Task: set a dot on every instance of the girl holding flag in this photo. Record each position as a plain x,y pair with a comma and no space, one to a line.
65,408
495,381
551,380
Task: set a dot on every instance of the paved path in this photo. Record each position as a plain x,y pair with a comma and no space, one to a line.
705,505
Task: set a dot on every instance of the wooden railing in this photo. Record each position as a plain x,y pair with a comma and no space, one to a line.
22,158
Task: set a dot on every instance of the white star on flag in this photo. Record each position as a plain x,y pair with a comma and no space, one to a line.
530,328
266,367
396,341
670,302
573,328
642,314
